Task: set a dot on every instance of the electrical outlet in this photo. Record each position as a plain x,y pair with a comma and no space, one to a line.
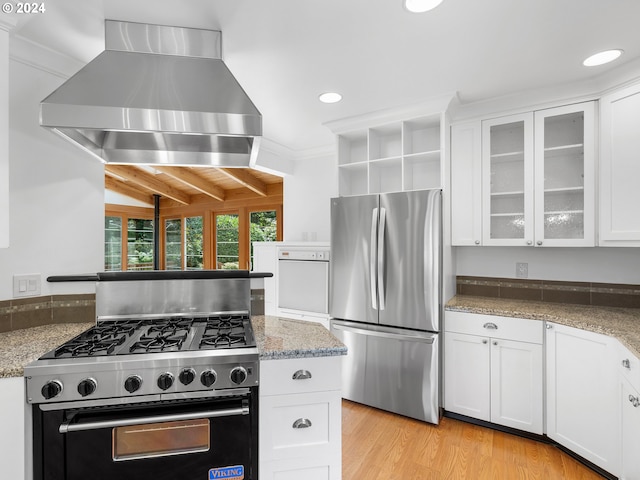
26,285
522,270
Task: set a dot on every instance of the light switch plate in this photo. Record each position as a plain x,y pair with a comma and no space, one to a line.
26,285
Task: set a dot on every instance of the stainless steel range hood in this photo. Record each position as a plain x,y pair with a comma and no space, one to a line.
157,95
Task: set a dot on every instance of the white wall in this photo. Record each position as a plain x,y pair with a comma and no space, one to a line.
56,194
306,199
599,264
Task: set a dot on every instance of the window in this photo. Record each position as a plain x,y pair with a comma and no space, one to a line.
183,244
227,242
263,227
190,238
112,244
194,241
139,244
173,244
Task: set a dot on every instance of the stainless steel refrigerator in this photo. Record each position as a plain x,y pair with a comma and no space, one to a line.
385,299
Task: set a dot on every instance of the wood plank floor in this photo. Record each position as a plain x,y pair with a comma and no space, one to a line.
378,445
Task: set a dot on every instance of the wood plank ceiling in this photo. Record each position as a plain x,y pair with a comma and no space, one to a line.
185,184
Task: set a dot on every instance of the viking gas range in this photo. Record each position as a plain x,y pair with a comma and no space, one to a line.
164,386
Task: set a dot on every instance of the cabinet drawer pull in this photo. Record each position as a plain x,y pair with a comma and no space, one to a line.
301,375
490,326
485,341
302,423
626,363
635,401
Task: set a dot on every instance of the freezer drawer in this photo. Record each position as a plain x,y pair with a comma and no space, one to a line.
391,369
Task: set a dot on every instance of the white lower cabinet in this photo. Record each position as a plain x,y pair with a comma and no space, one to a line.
12,418
630,432
629,367
493,369
300,419
583,394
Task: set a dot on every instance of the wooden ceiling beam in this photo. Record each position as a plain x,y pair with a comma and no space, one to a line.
148,181
244,178
191,178
127,189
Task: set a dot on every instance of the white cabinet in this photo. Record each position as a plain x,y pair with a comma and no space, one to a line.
620,168
300,419
629,368
12,418
539,178
396,156
4,138
507,180
466,185
583,394
493,369
535,175
630,431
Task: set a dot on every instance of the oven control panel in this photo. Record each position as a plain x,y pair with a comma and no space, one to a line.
136,378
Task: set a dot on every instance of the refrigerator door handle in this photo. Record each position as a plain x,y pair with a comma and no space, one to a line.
432,255
381,285
374,333
372,260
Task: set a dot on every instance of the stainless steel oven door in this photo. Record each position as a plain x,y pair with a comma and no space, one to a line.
194,439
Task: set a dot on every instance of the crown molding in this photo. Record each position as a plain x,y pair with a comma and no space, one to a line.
43,58
8,23
432,106
316,152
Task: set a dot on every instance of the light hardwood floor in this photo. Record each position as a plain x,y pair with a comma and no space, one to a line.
378,445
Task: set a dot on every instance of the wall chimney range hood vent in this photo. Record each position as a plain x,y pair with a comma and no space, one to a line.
157,95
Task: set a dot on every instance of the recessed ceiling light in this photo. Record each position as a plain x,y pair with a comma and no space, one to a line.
602,57
330,97
420,6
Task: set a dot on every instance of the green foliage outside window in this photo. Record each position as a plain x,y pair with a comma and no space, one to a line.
194,249
139,244
227,247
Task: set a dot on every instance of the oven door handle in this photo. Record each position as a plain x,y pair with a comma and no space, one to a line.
68,427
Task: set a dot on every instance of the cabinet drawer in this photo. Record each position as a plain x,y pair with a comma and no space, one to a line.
293,426
300,375
629,366
301,468
507,328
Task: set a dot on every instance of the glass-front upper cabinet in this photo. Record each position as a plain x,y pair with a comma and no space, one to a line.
538,178
507,171
565,176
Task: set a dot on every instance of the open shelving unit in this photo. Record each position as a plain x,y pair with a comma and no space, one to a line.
396,156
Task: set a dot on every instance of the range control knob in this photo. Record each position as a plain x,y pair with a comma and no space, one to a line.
87,386
132,383
187,376
165,381
208,377
51,389
238,375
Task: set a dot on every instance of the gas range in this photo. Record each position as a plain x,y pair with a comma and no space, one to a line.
154,338
148,356
164,385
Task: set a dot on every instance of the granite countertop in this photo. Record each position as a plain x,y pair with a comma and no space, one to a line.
21,347
621,323
281,338
276,338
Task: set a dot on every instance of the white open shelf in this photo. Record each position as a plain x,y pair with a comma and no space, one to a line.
397,156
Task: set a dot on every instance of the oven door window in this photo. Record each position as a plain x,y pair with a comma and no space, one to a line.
160,439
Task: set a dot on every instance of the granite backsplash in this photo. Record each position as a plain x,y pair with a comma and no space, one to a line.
580,293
